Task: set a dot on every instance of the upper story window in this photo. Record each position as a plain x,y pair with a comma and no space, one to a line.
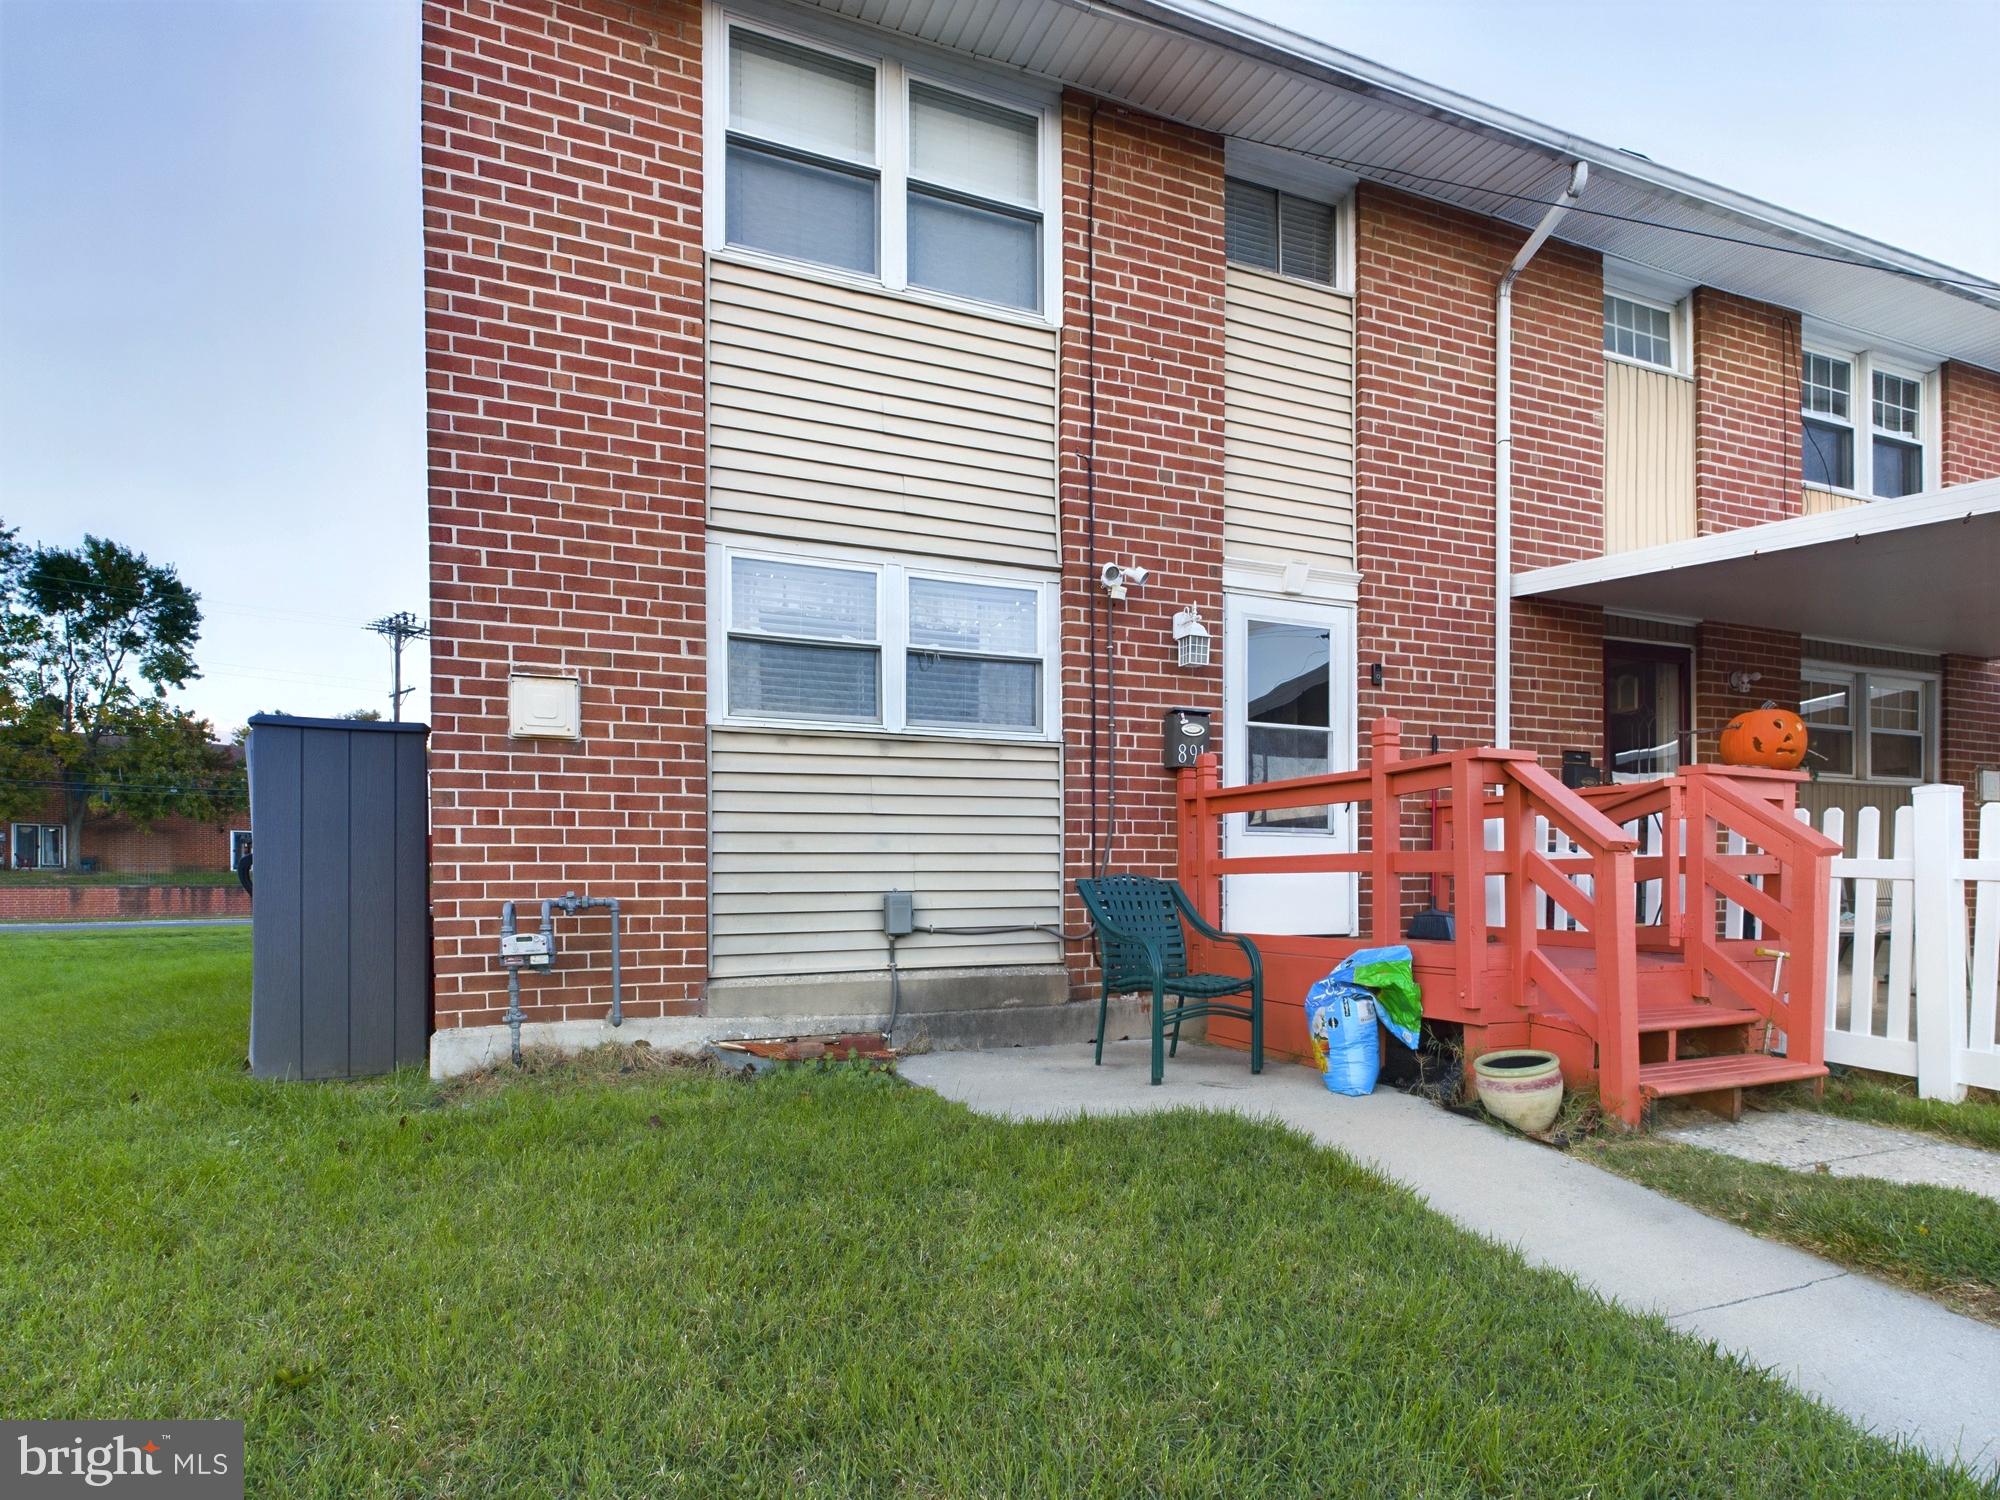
1276,231
1863,425
1642,332
854,163
882,645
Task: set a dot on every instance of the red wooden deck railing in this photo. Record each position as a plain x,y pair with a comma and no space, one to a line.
1717,836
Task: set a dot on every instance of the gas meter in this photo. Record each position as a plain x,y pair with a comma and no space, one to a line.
527,950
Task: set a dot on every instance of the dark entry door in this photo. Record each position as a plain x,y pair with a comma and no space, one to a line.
1648,710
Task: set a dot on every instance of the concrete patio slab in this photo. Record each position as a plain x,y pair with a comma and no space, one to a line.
1896,1363
1807,1142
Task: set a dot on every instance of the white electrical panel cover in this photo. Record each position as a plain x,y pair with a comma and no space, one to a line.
544,708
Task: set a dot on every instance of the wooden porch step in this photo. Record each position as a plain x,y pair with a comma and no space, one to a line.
1692,1015
1703,1075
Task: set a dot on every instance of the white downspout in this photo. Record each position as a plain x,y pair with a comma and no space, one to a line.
1503,461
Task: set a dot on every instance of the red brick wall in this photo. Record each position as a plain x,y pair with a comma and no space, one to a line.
158,848
1971,717
1722,649
1426,279
563,283
1971,407
81,903
169,844
1746,365
1158,458
1971,708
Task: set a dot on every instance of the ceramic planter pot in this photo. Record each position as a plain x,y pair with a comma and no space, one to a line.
1521,1086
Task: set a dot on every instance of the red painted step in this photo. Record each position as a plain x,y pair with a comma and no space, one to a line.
1700,1075
1693,1015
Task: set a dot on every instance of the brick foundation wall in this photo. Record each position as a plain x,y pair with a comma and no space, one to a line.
1721,650
1158,461
1747,432
563,289
82,903
1426,280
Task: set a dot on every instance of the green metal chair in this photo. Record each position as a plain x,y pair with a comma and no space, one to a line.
1140,946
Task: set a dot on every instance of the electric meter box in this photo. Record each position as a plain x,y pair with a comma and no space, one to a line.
1185,735
544,708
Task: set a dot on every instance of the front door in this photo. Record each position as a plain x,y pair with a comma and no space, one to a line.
1288,705
1647,723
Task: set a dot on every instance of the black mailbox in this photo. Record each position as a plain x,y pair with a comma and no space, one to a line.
1185,733
1578,770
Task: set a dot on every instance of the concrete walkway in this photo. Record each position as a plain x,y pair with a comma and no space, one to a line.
1896,1363
136,924
1806,1142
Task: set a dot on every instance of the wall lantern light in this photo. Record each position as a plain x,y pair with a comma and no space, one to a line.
1192,638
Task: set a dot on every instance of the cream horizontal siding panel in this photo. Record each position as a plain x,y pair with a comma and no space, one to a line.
808,830
1288,434
1648,457
842,415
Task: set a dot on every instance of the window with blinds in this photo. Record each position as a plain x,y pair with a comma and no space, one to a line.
883,645
859,165
1271,230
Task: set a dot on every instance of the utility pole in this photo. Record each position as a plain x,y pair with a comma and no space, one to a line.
398,628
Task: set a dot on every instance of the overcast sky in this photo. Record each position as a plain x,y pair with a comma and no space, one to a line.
210,256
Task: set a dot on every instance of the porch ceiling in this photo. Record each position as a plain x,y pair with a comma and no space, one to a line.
1922,573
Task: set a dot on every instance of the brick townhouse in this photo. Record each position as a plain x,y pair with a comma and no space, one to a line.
797,370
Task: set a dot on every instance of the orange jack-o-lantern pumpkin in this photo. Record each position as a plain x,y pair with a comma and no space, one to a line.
1774,738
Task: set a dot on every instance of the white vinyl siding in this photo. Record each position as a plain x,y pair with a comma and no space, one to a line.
1649,493
808,831
1288,437
843,416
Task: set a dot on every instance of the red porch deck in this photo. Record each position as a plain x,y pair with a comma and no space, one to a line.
1606,926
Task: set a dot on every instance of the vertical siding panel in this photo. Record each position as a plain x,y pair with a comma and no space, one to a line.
838,414
1648,457
1288,447
810,829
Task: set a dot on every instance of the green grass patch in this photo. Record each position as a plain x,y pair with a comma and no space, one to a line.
115,877
619,1278
1940,1240
1882,1099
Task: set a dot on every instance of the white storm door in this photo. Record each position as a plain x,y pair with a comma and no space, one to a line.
1288,710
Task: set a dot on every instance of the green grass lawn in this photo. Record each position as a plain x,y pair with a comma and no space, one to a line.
650,1281
1944,1241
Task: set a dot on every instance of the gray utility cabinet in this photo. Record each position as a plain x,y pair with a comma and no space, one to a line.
340,910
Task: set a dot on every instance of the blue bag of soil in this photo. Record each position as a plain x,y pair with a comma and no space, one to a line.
1342,1009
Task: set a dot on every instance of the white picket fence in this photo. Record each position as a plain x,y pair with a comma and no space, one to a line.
1914,979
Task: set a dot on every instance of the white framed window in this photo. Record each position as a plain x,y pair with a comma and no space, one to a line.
38,846
239,845
811,640
1865,424
866,166
1268,229
1869,725
1641,331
